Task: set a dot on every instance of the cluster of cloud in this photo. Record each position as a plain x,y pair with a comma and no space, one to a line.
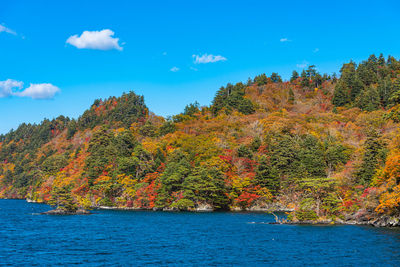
205,58
11,87
7,87
7,30
302,65
202,59
283,40
99,40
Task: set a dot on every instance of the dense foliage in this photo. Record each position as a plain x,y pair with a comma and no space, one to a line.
373,84
322,145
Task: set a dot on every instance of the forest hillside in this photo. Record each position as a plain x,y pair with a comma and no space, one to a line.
322,146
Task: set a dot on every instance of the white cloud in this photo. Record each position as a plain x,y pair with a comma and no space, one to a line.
194,69
7,86
302,65
284,40
39,91
100,40
174,69
12,87
316,50
207,59
7,30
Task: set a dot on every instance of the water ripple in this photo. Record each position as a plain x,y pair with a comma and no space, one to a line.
138,238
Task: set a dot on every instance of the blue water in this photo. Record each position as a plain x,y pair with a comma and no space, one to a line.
201,239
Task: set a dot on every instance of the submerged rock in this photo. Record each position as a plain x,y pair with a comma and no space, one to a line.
65,212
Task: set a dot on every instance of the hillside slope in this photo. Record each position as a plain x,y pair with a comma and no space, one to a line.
327,148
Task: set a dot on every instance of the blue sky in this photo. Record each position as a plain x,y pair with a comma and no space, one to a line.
50,66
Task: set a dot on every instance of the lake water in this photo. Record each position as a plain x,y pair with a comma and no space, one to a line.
200,239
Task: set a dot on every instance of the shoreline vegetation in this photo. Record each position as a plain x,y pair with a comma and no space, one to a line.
323,147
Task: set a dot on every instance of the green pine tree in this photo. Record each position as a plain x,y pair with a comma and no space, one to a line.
61,198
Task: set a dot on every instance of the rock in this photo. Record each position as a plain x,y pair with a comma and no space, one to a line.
204,208
369,217
116,208
270,207
107,207
170,209
363,216
386,221
82,212
339,221
394,221
64,212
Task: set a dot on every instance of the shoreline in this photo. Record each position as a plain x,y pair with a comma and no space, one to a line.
382,221
194,210
274,208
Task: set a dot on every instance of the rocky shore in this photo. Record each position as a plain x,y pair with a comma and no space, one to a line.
358,218
381,222
363,217
198,209
273,207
